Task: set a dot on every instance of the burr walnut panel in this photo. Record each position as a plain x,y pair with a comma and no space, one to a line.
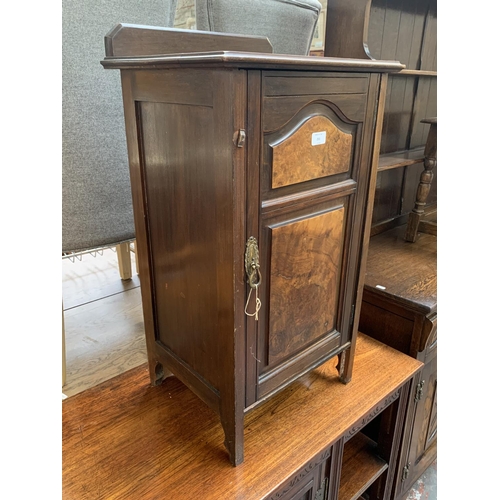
317,148
304,279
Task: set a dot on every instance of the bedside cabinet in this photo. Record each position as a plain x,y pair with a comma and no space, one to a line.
252,179
400,309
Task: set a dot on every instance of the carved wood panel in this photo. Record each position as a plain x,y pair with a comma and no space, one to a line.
304,279
317,148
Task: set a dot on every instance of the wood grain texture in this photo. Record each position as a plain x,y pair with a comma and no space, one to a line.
408,273
296,83
247,60
400,159
296,159
135,40
424,186
360,467
126,439
305,272
183,271
104,338
347,28
93,277
277,111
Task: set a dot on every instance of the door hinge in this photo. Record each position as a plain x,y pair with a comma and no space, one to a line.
351,319
240,138
406,471
419,391
322,493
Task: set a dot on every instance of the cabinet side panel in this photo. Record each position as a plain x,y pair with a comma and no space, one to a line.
180,183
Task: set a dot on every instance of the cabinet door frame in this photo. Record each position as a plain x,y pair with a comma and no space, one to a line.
260,205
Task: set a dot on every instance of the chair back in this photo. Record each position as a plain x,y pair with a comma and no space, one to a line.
96,194
288,24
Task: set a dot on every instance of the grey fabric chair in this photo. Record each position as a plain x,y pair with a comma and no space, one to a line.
96,195
288,24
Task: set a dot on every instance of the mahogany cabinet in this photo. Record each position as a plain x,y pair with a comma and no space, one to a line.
253,177
400,309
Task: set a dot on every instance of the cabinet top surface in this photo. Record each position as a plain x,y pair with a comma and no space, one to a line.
126,439
403,272
250,60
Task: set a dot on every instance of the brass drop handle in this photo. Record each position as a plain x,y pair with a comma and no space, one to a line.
254,278
252,265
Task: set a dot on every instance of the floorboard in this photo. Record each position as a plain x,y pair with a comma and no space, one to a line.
104,328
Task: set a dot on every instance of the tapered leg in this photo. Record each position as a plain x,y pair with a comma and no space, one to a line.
233,441
124,262
344,367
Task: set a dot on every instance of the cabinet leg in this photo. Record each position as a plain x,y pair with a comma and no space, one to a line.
233,438
344,367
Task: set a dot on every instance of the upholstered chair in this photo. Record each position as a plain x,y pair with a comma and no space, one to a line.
96,194
288,24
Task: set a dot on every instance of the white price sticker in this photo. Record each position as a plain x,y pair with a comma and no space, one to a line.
318,138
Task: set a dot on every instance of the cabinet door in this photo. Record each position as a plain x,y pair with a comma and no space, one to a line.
311,202
423,429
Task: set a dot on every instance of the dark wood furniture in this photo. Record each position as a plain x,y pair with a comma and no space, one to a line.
405,31
253,178
400,309
415,219
318,439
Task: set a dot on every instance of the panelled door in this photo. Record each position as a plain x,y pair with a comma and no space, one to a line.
309,208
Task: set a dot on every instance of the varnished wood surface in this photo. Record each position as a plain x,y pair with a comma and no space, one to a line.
408,271
305,268
136,40
127,440
404,31
296,159
252,60
346,28
360,466
400,159
104,329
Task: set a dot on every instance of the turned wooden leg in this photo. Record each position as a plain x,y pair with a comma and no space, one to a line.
430,159
124,261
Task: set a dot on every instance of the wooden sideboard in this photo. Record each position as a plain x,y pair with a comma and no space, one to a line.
400,309
317,439
253,176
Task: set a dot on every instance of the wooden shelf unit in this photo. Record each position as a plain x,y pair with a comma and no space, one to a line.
400,159
361,466
406,32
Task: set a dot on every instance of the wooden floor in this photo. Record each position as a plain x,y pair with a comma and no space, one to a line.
103,321
105,331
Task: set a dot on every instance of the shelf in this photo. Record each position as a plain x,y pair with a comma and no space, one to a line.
416,72
400,159
360,467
